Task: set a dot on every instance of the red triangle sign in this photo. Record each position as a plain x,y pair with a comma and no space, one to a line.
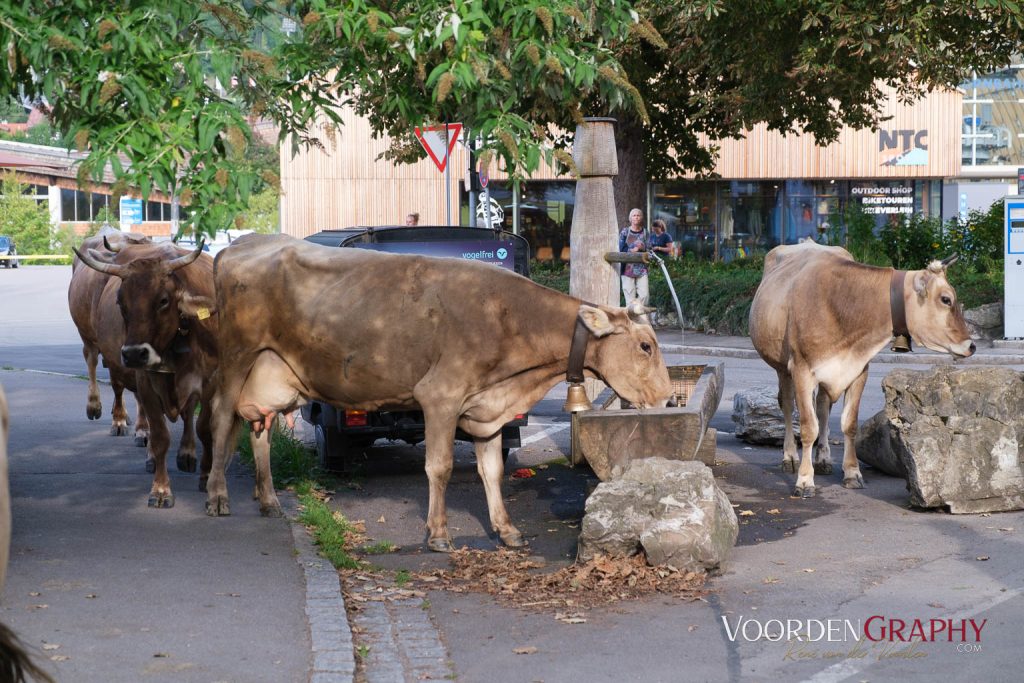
439,141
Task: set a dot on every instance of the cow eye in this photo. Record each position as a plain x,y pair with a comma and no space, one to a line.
946,301
645,347
164,302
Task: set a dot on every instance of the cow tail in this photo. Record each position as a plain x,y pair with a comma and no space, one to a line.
15,663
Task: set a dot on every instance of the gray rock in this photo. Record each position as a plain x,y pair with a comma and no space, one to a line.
985,322
959,433
672,510
875,446
758,418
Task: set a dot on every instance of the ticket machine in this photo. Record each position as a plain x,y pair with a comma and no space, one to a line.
1013,255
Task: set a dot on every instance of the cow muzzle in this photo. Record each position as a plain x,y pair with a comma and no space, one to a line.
139,356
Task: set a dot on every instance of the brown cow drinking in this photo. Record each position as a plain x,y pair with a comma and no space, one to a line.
165,343
819,317
470,344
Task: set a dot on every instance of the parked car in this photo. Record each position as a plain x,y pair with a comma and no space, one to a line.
339,433
8,252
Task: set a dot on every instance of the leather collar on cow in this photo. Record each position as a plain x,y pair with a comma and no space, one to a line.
577,352
902,341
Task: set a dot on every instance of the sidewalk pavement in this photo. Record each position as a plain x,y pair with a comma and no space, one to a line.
693,343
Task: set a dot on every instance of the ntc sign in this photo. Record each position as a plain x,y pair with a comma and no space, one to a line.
903,147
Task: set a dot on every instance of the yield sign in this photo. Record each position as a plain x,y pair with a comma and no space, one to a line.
439,141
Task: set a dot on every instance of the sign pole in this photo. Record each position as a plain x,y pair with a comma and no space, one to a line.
447,178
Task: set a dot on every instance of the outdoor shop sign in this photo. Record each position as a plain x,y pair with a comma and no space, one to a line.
885,200
498,252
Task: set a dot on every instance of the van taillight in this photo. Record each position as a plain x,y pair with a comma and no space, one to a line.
355,418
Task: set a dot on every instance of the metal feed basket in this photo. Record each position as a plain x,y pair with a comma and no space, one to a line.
684,379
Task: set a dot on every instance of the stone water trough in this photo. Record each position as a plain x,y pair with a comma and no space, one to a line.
610,437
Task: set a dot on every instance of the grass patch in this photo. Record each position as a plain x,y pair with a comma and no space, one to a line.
402,578
295,466
379,548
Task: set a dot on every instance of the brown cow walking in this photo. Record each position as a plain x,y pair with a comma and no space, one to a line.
470,344
819,317
168,344
91,300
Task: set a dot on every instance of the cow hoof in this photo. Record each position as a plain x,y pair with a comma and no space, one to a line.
823,468
218,508
161,500
186,462
804,491
789,466
94,412
854,482
118,430
141,442
515,540
271,511
440,545
150,465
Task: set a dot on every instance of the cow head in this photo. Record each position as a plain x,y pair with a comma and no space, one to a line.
624,352
152,300
934,316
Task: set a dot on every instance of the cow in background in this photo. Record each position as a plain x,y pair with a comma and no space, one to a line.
15,663
818,317
470,344
166,342
91,299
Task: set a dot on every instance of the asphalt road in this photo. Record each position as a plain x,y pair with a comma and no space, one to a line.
177,598
103,587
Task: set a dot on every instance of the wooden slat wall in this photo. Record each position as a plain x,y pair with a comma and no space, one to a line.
344,185
765,154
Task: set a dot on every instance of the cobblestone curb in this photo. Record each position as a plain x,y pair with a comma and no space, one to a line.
333,653
401,642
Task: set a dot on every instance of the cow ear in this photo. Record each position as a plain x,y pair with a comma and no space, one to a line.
921,280
596,320
195,306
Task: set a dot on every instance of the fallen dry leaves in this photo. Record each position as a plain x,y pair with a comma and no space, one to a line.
514,577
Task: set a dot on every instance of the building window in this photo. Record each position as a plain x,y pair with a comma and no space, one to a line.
750,218
993,118
545,218
688,209
77,206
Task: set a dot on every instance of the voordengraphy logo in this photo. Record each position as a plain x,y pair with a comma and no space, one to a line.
881,636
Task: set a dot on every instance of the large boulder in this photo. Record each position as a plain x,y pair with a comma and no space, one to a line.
758,418
986,321
959,435
875,439
672,510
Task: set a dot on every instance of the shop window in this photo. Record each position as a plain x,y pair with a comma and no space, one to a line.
750,218
689,213
545,218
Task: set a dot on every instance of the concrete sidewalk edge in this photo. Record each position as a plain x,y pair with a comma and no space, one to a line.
979,358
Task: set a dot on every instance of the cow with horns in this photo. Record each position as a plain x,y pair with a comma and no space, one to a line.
167,341
368,330
91,300
818,317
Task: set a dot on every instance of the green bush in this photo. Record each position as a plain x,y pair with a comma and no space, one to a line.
553,274
912,244
714,296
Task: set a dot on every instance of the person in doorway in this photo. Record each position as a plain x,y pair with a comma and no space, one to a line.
412,219
661,241
634,275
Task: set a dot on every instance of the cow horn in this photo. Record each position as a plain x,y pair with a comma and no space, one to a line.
97,264
109,247
188,258
950,260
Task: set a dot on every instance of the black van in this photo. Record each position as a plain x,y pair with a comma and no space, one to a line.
341,434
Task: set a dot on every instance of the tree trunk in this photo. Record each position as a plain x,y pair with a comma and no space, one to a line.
630,185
